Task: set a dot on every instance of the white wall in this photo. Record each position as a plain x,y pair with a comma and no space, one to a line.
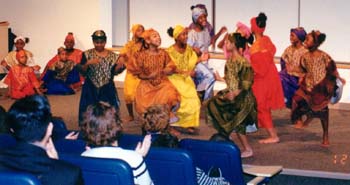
47,22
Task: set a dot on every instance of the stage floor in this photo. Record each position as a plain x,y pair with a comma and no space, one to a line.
298,149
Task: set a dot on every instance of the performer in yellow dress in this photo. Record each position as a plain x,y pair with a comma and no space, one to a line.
185,60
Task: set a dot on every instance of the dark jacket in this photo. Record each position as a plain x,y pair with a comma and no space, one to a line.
25,157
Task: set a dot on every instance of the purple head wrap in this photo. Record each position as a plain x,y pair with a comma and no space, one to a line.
300,32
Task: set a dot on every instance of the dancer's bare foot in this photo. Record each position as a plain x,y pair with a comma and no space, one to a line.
247,153
325,143
269,140
299,124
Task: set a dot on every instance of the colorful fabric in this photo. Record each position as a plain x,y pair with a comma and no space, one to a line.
266,75
291,71
196,13
243,29
154,87
236,114
99,84
59,78
131,81
254,26
299,32
189,110
177,31
318,85
11,60
134,28
21,81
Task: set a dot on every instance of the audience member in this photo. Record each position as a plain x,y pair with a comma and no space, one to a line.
101,128
30,121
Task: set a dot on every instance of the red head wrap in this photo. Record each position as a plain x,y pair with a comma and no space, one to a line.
69,36
254,26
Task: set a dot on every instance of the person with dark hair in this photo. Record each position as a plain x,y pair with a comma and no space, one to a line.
72,53
131,81
3,126
101,129
199,39
153,66
185,60
265,75
290,64
21,79
61,75
99,66
30,121
233,108
317,84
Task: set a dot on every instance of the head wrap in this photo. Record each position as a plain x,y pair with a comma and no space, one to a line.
244,28
254,26
18,52
19,38
202,6
147,33
177,31
134,28
299,32
69,37
99,35
196,12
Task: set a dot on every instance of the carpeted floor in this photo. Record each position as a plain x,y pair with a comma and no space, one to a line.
298,148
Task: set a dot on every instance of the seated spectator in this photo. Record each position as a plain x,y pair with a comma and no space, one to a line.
35,152
11,60
3,127
61,75
101,128
155,121
21,79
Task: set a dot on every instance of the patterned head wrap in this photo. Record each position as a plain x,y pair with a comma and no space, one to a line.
196,12
254,26
69,37
19,38
177,31
299,32
244,30
99,35
135,27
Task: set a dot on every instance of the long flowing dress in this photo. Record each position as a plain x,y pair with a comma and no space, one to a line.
189,110
318,85
99,85
291,71
267,87
59,78
236,114
21,81
158,89
204,78
131,81
74,56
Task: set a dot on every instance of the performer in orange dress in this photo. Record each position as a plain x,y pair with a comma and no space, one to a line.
21,79
267,86
152,66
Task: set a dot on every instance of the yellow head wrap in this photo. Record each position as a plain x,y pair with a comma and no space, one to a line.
134,28
177,30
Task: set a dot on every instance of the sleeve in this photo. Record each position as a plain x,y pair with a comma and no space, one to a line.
8,78
169,63
33,78
247,77
134,64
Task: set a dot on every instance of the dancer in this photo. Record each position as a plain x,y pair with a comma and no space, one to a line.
267,86
317,85
235,107
290,64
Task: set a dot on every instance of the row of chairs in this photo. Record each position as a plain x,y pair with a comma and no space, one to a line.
166,166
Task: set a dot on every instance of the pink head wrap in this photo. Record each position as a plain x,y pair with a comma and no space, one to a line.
243,29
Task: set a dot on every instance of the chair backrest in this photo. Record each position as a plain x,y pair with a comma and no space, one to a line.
18,178
129,141
224,155
171,166
102,171
6,140
68,146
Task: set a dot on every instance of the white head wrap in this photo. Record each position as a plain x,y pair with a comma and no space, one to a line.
19,38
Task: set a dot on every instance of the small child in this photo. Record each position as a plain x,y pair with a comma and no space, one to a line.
61,76
21,79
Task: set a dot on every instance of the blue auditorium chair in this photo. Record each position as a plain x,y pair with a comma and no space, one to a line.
227,157
6,140
171,166
70,146
129,141
17,178
102,171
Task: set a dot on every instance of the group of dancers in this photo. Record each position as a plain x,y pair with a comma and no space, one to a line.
180,78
